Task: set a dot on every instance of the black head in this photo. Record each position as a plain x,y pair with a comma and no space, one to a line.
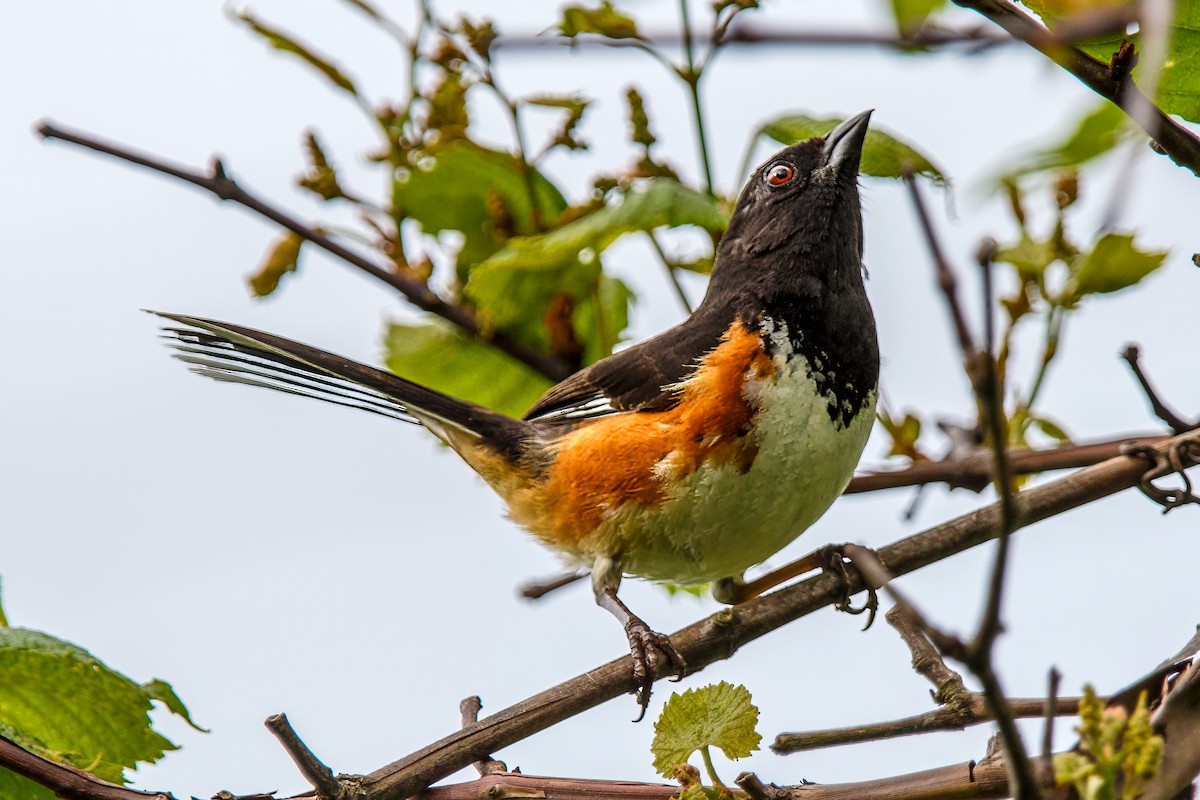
797,226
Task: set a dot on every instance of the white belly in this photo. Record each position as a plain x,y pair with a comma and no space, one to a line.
720,520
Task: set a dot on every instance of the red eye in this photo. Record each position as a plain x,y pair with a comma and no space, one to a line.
779,174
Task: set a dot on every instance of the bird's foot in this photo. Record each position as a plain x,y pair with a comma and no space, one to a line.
837,562
652,653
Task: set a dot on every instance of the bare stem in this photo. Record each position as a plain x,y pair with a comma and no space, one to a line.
417,293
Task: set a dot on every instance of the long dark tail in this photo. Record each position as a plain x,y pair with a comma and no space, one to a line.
226,352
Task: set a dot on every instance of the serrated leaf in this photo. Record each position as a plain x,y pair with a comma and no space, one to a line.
451,191
289,44
1179,79
719,715
883,155
77,710
604,20
438,356
1115,263
282,257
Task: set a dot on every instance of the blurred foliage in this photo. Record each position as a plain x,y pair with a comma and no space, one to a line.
1118,751
63,704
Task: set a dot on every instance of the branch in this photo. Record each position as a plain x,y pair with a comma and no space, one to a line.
1132,356
220,184
752,35
1172,138
974,471
719,636
66,782
961,708
319,776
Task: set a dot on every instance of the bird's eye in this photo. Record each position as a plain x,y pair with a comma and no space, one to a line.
779,174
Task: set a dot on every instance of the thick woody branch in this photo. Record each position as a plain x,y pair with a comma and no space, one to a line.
224,187
1175,140
66,782
319,776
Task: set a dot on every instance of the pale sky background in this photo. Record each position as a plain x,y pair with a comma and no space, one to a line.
268,554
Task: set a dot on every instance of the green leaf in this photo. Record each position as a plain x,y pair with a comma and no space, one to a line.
883,155
68,706
1030,256
1095,133
1050,428
513,289
910,15
14,787
658,202
289,44
164,693
479,192
1179,80
719,715
600,319
434,354
604,20
1113,264
282,257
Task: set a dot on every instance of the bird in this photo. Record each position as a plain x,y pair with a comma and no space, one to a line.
688,457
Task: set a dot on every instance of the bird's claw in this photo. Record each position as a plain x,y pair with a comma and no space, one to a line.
651,652
837,564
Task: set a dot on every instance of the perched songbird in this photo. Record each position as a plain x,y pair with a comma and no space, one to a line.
686,458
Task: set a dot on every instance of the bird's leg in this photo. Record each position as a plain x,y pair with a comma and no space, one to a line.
829,559
648,649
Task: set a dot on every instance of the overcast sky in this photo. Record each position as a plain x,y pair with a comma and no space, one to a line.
268,554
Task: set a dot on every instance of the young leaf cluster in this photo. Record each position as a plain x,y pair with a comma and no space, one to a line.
1118,751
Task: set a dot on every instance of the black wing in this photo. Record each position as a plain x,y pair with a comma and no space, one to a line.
643,377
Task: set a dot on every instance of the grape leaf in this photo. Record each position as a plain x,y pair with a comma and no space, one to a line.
603,20
62,703
718,715
282,257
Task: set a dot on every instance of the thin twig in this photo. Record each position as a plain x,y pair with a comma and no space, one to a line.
1171,137
755,36
941,719
670,268
990,394
417,293
946,281
1054,707
974,472
319,776
719,636
1132,354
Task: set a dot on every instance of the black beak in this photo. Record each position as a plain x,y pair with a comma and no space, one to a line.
843,145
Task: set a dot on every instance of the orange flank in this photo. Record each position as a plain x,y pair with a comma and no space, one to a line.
627,458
